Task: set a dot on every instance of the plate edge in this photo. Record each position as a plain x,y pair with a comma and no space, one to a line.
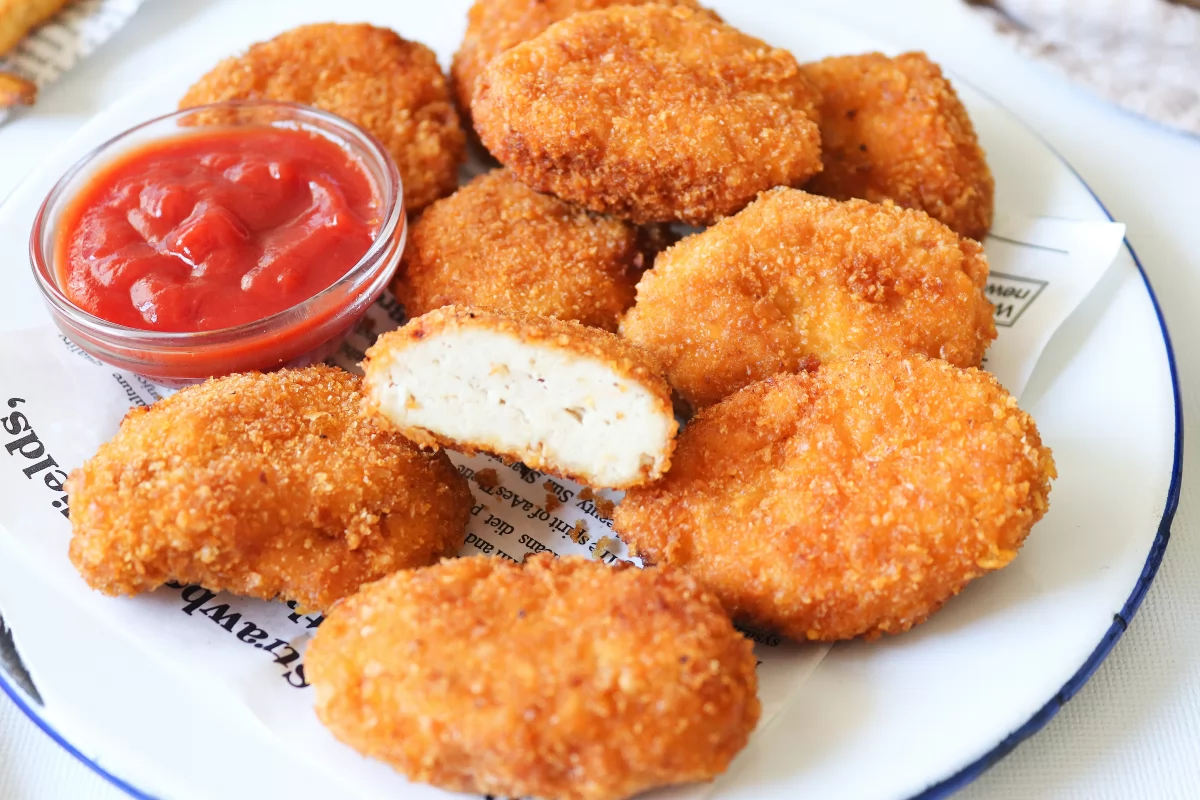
1158,548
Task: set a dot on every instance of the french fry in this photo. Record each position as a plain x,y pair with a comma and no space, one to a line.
16,91
19,17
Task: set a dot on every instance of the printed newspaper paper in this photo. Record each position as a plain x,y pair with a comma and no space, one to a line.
58,405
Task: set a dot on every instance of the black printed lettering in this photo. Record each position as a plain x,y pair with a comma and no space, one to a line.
196,596
31,441
16,422
219,614
481,545
34,469
55,480
296,677
251,633
288,657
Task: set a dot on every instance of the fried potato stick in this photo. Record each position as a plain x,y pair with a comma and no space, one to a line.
19,17
16,91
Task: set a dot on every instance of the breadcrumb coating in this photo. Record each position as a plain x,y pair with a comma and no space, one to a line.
389,86
650,113
265,485
557,678
851,501
497,243
494,26
893,129
618,358
795,279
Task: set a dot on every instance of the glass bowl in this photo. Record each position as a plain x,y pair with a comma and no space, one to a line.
303,334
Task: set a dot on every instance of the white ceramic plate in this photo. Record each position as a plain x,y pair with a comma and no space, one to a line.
918,715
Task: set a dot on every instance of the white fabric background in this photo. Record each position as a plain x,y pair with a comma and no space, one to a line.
1134,730
1142,54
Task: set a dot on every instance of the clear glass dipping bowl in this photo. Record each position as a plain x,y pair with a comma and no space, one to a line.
304,334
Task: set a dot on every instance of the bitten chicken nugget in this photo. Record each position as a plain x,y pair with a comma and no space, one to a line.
494,26
497,243
650,113
796,278
893,129
852,501
566,399
557,678
262,485
392,87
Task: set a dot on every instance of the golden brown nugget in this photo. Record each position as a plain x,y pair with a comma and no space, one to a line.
852,501
497,243
893,129
649,113
19,17
557,678
263,485
794,279
392,87
560,397
494,26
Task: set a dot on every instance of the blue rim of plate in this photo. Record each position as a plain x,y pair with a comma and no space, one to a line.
18,698
1047,712
1158,547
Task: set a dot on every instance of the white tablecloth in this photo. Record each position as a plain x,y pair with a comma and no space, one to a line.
1134,730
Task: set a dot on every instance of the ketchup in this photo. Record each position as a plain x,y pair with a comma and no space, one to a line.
215,228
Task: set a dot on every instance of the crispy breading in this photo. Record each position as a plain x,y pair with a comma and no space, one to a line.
19,17
893,129
795,279
263,485
497,243
560,397
851,501
494,26
560,678
487,478
387,85
16,91
650,113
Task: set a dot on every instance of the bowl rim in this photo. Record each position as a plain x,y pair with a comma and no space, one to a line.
391,194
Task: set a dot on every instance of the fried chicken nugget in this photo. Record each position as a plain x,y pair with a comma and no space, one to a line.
566,399
560,678
893,129
852,501
392,87
650,113
494,26
263,485
796,278
497,243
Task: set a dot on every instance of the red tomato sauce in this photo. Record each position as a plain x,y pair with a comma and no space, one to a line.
215,228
